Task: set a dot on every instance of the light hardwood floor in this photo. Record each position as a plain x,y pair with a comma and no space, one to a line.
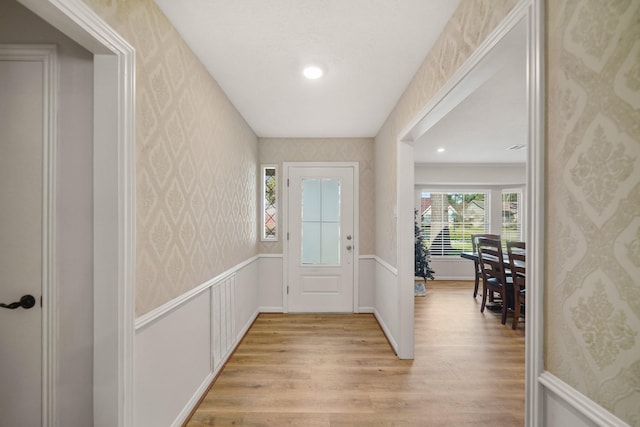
339,370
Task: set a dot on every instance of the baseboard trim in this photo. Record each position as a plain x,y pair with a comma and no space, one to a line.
193,403
579,402
387,332
271,310
187,412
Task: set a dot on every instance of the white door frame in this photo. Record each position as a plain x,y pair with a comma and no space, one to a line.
114,203
285,225
47,55
533,12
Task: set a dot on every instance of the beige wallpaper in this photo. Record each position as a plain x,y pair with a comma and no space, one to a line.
469,26
196,162
278,150
593,161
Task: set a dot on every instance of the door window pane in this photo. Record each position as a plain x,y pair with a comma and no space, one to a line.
311,232
320,243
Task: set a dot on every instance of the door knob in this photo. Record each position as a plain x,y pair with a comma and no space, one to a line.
348,247
26,302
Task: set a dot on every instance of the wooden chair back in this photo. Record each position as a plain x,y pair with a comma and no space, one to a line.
518,266
491,260
474,246
494,278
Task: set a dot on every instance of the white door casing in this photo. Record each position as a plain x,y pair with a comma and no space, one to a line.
114,204
321,239
28,87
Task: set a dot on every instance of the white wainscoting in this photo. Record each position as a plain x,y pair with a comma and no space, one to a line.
270,277
181,346
452,268
367,284
563,405
387,301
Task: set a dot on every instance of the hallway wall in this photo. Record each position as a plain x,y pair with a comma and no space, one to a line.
196,162
592,320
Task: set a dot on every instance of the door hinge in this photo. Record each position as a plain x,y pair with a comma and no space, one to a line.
287,182
287,289
287,235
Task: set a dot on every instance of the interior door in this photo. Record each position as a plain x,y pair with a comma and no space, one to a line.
21,231
321,238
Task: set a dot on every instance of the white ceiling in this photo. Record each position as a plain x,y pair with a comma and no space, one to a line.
485,114
369,50
256,49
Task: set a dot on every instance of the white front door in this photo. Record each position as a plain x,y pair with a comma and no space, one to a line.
321,238
22,101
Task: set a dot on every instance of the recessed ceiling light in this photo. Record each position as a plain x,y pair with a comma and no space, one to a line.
312,72
440,150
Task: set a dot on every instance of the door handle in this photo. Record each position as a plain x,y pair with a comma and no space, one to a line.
26,302
349,247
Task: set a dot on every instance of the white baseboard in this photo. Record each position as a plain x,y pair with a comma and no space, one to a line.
271,309
186,411
386,331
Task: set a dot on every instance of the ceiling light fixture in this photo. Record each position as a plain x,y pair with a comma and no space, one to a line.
440,150
312,72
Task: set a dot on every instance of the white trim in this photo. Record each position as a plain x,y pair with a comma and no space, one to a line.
386,265
534,215
270,255
188,408
578,401
50,288
166,308
206,383
533,11
114,203
386,331
47,56
405,184
415,128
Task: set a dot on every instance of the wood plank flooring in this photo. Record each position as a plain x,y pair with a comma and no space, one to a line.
339,370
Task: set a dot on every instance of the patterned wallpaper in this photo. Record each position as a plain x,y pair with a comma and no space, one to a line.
196,162
278,150
469,26
593,174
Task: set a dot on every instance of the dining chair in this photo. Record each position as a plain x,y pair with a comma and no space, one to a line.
474,247
517,264
494,277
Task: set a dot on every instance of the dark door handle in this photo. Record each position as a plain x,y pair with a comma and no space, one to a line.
26,302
